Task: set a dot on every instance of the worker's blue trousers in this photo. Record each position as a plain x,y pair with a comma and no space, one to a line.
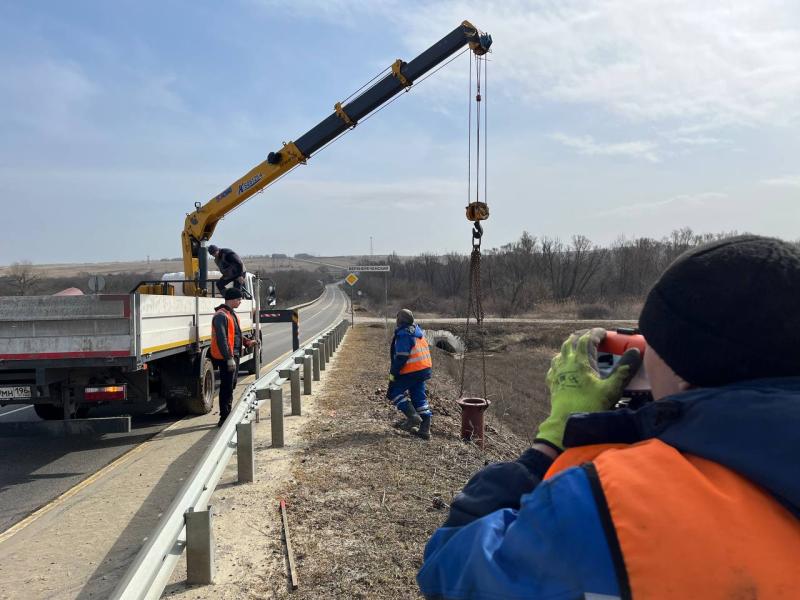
412,384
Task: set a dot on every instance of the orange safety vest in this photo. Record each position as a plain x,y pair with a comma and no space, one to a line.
215,351
419,358
688,527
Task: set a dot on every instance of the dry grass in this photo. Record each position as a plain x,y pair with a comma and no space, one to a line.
368,496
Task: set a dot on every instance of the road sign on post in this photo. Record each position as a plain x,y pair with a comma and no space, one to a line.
369,268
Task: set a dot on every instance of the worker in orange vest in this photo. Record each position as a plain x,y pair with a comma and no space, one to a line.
226,347
695,495
411,367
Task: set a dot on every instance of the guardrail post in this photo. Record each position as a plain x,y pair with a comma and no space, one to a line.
245,452
200,567
315,359
324,340
276,418
293,375
329,341
307,376
323,360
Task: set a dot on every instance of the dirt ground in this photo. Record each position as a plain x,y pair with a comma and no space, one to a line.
364,497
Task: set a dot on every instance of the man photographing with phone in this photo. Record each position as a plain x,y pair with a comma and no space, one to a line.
695,495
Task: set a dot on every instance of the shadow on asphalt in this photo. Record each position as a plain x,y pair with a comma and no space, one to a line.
117,561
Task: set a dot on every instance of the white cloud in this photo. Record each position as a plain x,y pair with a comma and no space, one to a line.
785,181
587,145
674,204
709,63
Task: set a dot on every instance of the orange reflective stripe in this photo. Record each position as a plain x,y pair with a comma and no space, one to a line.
419,358
689,527
573,457
215,351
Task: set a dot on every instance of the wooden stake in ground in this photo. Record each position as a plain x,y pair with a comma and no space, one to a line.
289,551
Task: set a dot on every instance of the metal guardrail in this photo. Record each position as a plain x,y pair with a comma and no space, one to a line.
310,302
150,572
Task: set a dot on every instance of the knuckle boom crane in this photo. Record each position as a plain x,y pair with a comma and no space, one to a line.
200,224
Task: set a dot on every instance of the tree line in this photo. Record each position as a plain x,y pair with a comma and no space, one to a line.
516,277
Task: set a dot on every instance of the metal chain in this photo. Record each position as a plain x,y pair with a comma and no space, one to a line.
474,307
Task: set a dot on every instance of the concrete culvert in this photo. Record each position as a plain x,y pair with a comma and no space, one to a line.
446,340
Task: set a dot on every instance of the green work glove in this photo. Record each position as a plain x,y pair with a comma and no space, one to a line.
576,385
391,377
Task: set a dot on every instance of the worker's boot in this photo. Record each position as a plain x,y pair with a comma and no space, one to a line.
425,428
412,418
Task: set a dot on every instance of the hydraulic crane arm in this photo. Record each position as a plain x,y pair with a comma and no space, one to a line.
200,224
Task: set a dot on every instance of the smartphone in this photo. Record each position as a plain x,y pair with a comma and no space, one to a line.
610,350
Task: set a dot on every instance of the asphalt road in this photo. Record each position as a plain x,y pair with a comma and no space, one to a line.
37,469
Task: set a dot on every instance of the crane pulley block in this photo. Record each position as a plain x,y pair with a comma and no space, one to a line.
477,211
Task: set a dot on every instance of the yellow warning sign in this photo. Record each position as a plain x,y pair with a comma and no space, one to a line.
351,279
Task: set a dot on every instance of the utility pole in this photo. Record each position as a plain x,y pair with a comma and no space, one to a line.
370,246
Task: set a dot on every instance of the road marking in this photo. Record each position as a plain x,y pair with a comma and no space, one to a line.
59,500
11,412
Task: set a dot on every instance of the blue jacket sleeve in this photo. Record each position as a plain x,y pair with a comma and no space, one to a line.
553,547
500,485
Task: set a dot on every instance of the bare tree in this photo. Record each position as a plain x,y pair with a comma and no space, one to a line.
25,278
571,268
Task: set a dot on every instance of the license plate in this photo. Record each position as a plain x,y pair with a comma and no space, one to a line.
14,392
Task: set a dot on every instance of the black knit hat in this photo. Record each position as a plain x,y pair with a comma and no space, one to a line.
405,317
232,293
728,311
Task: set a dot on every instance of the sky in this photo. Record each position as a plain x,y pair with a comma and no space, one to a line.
605,119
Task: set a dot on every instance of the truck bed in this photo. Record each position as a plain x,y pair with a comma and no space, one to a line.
105,326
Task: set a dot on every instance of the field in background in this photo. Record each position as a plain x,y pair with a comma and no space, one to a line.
173,265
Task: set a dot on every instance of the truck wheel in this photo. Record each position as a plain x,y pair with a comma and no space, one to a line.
202,399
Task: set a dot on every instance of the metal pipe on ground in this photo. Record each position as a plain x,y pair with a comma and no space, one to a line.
472,410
